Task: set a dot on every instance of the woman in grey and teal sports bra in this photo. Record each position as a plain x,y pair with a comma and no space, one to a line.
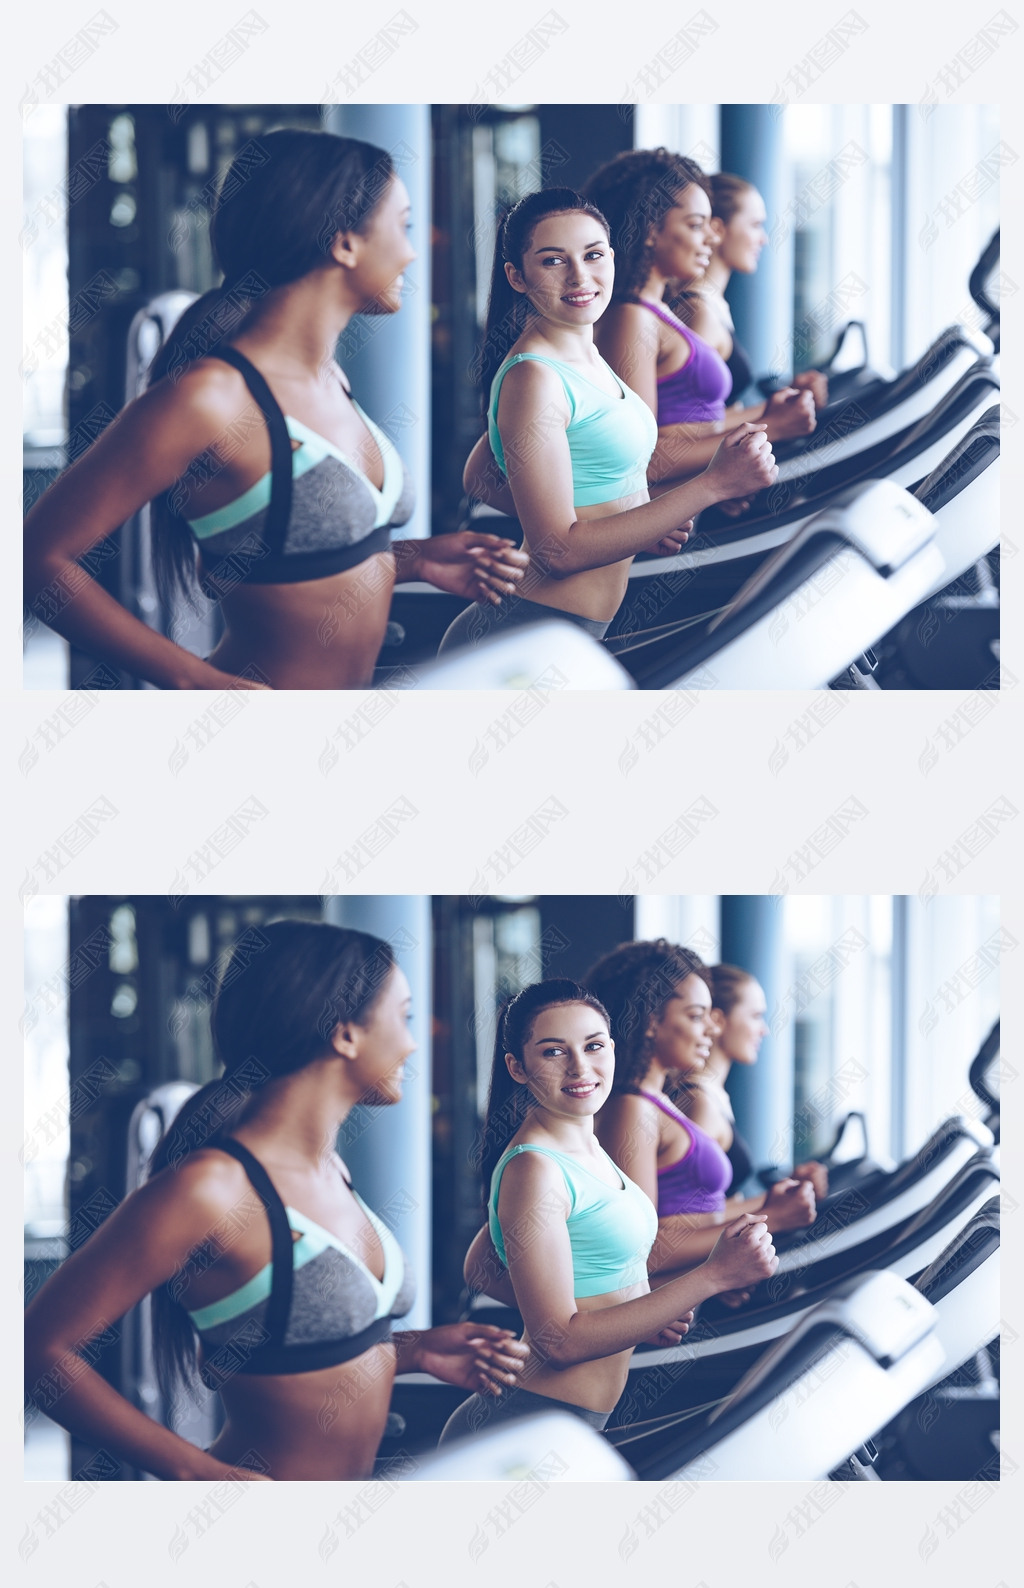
267,1272
260,465
569,1230
569,442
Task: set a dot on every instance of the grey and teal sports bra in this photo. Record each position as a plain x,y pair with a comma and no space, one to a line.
610,438
611,1228
314,1305
314,514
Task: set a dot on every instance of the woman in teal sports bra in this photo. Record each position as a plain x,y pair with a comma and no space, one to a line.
268,1273
266,478
569,441
570,1230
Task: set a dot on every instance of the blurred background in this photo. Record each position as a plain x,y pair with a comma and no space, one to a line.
875,213
875,1003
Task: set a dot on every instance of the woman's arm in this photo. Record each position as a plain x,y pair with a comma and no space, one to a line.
789,1204
817,1174
628,1128
484,1271
816,382
540,476
473,1356
142,453
701,316
143,1244
533,1207
629,339
483,479
470,563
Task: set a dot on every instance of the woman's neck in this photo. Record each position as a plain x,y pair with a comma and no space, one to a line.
654,1078
717,275
717,1068
297,326
572,344
298,1117
570,1135
654,288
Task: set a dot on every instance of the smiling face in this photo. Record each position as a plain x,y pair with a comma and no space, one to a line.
681,250
568,1060
383,1042
739,243
740,1033
383,251
681,1037
567,271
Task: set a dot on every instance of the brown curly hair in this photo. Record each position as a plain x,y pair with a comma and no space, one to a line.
635,191
634,983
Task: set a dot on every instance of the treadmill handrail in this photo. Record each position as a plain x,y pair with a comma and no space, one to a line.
968,1249
793,500
938,1145
857,1306
972,455
888,1247
866,410
980,1063
851,325
980,274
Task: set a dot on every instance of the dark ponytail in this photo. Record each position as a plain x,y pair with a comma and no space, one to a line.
507,310
283,201
508,1101
275,1008
635,982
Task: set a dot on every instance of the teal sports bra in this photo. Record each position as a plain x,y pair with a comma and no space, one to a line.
610,438
611,1231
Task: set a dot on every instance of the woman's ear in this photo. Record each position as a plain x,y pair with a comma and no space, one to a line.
715,1023
343,1039
343,249
515,1069
716,231
513,277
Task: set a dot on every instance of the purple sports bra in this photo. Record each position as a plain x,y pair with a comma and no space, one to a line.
695,1183
697,392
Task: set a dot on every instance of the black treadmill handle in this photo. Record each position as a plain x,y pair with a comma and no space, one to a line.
980,274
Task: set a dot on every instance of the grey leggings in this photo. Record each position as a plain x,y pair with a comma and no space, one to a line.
478,622
481,1412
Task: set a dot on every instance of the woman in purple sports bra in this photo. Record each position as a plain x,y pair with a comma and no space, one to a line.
659,998
658,208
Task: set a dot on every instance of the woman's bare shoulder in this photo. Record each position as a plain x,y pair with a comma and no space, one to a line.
205,1178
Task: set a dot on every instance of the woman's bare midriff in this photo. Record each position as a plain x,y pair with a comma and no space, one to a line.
318,634
595,593
326,1424
596,1385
